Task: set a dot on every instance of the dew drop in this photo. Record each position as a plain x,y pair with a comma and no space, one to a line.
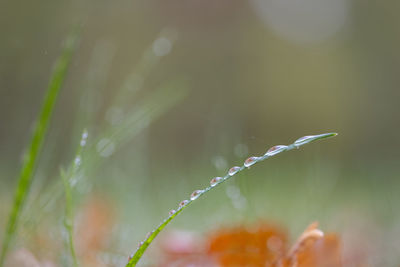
84,138
130,257
232,171
85,135
183,203
83,142
172,212
250,161
196,194
304,140
140,244
77,161
214,181
275,150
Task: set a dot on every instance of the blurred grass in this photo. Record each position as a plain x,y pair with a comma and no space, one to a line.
39,134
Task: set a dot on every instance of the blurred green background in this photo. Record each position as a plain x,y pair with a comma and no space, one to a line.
203,85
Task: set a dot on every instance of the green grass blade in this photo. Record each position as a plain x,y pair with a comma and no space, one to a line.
32,153
133,260
68,220
67,178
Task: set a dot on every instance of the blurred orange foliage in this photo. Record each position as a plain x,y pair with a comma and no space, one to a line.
263,245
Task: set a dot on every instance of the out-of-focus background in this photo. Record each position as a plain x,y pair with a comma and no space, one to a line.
195,87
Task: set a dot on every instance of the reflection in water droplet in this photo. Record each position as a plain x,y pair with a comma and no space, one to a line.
171,212
275,150
105,147
196,194
232,171
250,161
183,203
214,181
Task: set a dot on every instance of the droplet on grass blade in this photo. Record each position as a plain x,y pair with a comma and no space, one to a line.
214,181
232,171
250,161
309,138
196,194
275,150
140,244
172,212
303,140
84,138
183,203
77,161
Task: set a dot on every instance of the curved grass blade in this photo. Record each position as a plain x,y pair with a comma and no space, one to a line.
134,258
32,154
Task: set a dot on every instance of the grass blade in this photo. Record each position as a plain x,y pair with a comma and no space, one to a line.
133,260
32,154
68,180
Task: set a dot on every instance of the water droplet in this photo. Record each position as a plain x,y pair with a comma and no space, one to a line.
130,257
172,212
84,138
214,181
183,203
308,138
105,147
275,150
196,194
250,161
232,171
77,161
303,140
85,135
140,244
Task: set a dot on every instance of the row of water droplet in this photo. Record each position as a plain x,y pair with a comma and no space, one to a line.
231,172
